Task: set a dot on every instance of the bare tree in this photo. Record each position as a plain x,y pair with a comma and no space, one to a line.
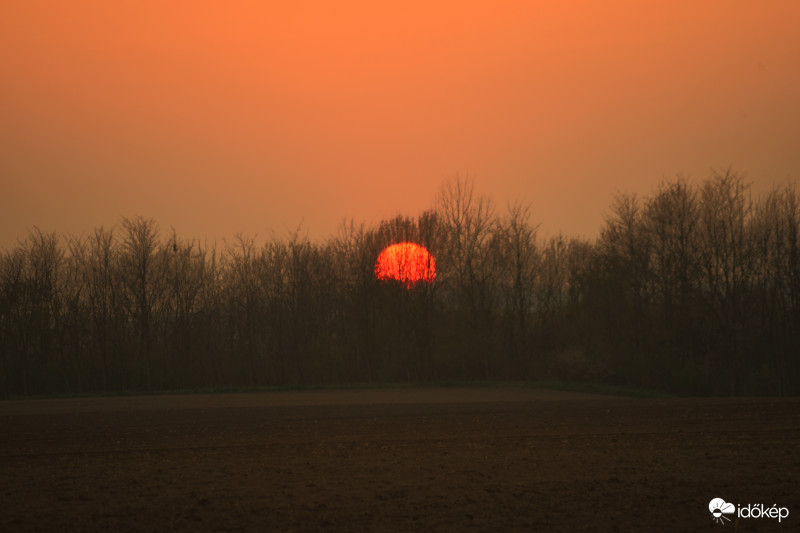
467,266
726,258
101,274
519,262
725,211
14,333
142,271
672,220
623,291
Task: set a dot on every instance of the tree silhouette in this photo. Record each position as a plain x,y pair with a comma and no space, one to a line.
694,289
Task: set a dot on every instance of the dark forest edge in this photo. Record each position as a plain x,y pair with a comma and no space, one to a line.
694,290
549,385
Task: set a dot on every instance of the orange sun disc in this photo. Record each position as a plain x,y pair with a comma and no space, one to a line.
406,262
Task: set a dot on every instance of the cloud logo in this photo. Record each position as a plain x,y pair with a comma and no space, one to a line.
719,508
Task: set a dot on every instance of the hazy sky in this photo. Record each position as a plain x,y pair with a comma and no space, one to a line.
218,117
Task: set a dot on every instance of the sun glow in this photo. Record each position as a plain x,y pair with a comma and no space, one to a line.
406,262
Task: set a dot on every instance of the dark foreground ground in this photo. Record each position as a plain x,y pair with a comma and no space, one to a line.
415,459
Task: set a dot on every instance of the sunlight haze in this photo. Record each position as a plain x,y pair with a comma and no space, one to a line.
248,116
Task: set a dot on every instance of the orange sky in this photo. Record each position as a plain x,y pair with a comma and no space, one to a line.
218,117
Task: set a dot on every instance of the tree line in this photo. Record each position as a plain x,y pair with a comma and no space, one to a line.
694,289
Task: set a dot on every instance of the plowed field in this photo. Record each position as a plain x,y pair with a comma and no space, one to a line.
396,460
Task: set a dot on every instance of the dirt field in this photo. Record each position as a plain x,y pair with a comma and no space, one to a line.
398,460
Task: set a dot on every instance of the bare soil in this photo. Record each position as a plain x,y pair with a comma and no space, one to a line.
397,460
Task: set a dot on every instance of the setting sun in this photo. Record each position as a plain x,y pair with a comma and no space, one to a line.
406,262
